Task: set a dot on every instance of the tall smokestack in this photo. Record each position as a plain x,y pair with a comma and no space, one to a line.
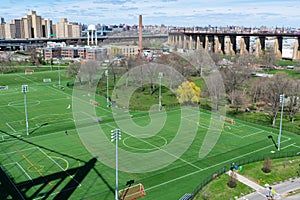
141,33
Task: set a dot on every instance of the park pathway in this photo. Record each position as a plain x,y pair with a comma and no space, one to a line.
282,190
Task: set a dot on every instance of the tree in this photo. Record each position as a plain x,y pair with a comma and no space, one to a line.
267,166
188,92
232,180
235,78
268,58
88,69
275,86
293,103
216,89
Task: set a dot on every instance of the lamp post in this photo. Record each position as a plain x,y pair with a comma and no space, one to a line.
160,75
280,126
24,90
115,136
107,100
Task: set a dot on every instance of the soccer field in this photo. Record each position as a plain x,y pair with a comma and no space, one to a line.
55,162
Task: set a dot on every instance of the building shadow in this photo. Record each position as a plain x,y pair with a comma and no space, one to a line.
10,189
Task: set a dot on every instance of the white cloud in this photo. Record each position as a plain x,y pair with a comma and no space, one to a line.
169,12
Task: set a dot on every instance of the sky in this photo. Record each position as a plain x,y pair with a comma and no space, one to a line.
248,13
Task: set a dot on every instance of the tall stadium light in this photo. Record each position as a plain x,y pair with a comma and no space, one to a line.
24,90
280,127
115,136
59,73
107,100
160,75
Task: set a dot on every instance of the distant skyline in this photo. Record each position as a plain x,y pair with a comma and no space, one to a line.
249,13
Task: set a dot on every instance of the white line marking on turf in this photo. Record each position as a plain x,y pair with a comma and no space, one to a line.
5,154
288,146
58,165
203,169
158,148
10,127
24,171
21,168
296,146
261,131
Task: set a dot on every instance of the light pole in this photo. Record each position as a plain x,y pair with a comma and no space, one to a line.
280,126
24,90
107,100
59,73
115,136
160,75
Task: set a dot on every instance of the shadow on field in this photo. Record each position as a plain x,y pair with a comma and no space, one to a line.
10,189
37,128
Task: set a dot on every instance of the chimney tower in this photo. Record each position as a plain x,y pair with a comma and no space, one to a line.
141,34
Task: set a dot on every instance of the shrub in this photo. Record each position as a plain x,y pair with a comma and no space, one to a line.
267,165
232,180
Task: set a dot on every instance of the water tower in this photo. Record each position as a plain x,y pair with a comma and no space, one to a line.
91,34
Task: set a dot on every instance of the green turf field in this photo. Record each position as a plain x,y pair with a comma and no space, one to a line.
52,164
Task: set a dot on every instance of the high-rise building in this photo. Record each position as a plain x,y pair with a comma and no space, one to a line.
46,28
18,27
65,29
10,32
36,24
2,28
26,23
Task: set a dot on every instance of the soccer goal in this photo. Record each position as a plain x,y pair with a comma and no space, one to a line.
29,71
133,192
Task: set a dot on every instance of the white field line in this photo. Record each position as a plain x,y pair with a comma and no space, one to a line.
288,146
232,134
21,168
158,148
23,171
296,146
10,127
203,169
5,154
261,131
79,185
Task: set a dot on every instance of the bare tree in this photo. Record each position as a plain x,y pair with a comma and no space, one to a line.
88,70
293,103
268,58
215,88
257,89
276,86
235,78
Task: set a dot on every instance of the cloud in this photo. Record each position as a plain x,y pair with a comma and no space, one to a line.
176,12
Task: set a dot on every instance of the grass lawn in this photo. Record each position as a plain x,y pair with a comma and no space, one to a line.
218,189
282,169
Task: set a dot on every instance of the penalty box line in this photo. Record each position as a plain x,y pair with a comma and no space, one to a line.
79,184
20,167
